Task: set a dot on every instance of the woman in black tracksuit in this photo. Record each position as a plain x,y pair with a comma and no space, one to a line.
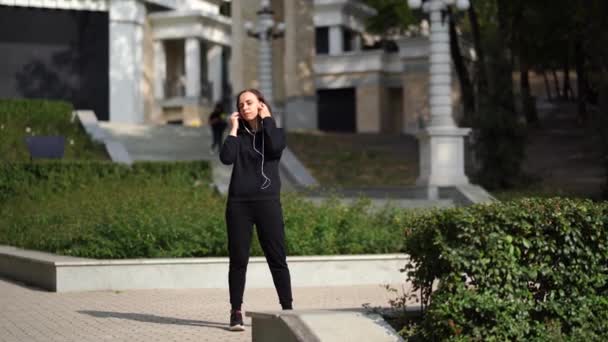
254,147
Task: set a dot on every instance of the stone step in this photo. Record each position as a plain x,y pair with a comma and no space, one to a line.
320,326
161,143
380,203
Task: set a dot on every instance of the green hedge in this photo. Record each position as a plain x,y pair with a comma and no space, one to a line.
47,178
104,210
533,270
22,118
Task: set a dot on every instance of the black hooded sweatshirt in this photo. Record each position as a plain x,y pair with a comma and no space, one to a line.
247,182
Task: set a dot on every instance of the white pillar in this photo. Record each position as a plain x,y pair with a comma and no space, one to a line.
440,69
160,69
336,43
265,67
442,142
214,72
126,61
193,67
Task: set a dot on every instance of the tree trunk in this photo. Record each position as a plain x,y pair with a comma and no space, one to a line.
503,76
481,60
468,96
556,83
581,81
567,88
528,104
547,86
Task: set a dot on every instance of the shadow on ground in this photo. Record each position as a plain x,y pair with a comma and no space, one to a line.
149,318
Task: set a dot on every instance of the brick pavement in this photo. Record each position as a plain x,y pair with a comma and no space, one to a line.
30,314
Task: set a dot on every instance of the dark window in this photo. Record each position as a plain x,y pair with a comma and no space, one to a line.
226,9
322,40
348,37
336,109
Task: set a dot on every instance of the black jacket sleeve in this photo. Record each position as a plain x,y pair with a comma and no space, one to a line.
229,151
274,137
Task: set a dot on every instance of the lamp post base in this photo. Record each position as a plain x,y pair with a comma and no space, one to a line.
442,157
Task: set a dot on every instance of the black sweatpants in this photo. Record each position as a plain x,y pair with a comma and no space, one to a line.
268,218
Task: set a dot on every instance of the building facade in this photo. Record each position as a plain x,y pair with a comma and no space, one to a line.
170,61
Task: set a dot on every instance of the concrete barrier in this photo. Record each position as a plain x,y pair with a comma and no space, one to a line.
61,273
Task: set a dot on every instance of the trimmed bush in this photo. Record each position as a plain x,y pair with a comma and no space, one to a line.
103,210
534,270
22,118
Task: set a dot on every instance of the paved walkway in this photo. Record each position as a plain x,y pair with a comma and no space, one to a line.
29,314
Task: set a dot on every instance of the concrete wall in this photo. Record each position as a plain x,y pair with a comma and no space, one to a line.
370,103
244,56
300,90
392,111
415,82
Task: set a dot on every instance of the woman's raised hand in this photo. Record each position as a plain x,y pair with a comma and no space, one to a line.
264,112
234,123
234,120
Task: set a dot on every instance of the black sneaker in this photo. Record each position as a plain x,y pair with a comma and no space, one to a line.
236,321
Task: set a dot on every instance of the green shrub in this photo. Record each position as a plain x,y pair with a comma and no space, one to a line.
22,118
535,269
104,210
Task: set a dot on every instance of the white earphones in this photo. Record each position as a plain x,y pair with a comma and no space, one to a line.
266,182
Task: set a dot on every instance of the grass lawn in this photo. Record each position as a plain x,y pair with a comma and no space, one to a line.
357,160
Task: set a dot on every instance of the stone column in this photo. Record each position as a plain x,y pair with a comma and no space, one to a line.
336,40
214,72
126,61
192,61
159,77
160,69
191,111
442,142
265,58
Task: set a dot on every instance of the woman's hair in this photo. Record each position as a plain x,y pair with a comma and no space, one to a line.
218,107
257,94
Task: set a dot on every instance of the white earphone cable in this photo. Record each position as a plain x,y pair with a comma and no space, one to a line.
266,182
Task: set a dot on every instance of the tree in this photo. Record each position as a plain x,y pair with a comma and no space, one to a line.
393,17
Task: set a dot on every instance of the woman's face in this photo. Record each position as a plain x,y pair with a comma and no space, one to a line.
249,106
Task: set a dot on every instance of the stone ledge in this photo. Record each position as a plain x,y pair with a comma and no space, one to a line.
320,325
62,273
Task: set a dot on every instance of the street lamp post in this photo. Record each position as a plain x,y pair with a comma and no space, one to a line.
441,142
265,30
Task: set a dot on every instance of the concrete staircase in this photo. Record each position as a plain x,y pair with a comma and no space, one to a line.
161,142
173,143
